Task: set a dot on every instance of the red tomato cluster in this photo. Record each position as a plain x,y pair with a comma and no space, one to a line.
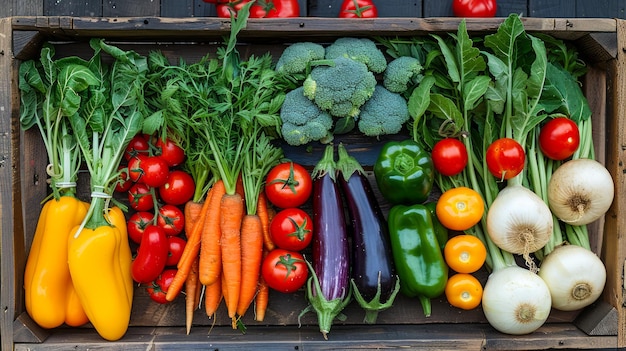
155,190
288,186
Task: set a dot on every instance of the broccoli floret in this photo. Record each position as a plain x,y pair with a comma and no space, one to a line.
402,72
302,120
384,113
360,49
297,56
340,88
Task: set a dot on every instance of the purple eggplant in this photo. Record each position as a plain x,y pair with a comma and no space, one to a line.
328,288
375,284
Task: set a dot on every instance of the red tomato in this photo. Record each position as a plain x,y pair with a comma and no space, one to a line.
155,171
284,270
137,224
291,229
171,219
151,255
474,8
559,138
138,145
140,197
176,247
178,189
170,152
449,156
288,185
123,180
505,158
358,9
158,288
135,172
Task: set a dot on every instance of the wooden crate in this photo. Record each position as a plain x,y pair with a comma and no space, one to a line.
22,180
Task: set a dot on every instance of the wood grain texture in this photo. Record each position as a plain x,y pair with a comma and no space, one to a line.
124,8
90,8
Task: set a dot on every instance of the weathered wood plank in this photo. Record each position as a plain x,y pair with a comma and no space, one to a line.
598,8
281,29
21,8
551,8
615,221
89,8
400,337
177,8
122,8
11,231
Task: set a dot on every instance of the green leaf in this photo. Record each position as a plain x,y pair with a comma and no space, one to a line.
153,122
474,90
451,62
444,108
420,98
563,94
502,43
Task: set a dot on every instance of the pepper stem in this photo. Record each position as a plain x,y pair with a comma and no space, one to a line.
425,301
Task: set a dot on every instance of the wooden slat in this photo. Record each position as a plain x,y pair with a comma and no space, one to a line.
551,8
203,9
153,28
598,8
89,8
403,337
124,8
177,8
10,8
613,251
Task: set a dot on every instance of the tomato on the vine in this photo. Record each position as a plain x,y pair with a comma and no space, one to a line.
138,145
123,180
291,229
449,156
154,171
464,291
176,247
178,188
460,208
559,138
474,8
284,270
140,197
157,290
170,152
171,219
135,172
505,158
137,224
288,185
465,253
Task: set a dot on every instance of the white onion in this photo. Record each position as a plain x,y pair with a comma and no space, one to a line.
516,301
574,275
580,191
518,221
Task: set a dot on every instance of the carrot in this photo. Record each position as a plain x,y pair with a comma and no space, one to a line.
210,251
191,289
193,235
213,296
262,212
231,216
251,256
261,300
189,253
192,212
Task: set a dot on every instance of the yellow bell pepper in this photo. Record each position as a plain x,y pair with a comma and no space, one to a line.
99,259
47,283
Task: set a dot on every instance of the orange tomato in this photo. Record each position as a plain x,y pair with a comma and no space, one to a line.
460,208
464,291
465,253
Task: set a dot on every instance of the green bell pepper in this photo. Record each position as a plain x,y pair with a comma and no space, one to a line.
404,172
417,256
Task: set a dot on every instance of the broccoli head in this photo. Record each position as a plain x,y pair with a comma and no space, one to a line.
359,49
297,56
384,113
341,87
302,120
402,72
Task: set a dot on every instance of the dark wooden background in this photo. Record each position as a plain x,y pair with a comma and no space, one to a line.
314,8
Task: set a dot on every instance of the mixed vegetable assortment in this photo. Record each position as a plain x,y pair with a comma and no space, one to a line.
493,168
